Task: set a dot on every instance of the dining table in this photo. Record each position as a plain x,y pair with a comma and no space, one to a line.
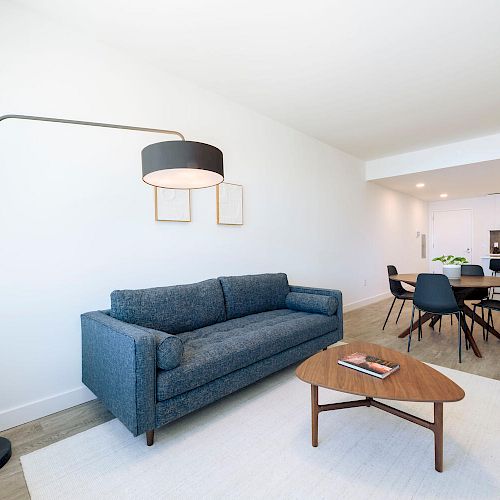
461,287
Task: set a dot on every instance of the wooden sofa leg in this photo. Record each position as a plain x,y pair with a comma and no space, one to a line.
150,437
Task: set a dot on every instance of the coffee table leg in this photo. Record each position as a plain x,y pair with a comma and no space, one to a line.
314,414
438,436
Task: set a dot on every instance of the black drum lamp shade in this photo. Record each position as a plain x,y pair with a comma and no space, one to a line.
182,165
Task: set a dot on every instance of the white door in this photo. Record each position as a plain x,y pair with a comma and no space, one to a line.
451,235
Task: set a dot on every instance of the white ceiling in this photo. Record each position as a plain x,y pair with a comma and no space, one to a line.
373,78
466,181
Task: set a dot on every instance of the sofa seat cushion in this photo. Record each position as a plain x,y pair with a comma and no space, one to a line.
171,309
255,293
214,351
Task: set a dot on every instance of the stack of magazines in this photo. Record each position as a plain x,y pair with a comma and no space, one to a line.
369,364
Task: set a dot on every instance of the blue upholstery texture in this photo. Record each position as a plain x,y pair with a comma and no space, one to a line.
119,367
330,293
217,350
253,294
309,302
174,408
171,309
161,353
169,348
169,351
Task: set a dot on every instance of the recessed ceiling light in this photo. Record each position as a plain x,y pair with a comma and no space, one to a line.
443,195
420,185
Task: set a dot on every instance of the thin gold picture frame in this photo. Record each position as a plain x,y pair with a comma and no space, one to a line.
217,204
157,219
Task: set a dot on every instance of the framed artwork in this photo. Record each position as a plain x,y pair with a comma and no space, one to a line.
172,205
229,204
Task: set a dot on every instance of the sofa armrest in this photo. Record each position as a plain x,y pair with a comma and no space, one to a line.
325,291
119,367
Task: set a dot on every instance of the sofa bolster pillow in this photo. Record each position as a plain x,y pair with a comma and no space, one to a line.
169,348
169,351
308,302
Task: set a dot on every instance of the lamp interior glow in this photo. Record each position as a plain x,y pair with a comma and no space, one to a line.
183,178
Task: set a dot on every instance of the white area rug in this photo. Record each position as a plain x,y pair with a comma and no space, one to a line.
256,444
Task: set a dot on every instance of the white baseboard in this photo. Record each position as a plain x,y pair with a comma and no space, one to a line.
43,407
365,302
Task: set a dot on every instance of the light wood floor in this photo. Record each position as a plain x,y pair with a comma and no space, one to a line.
438,348
362,324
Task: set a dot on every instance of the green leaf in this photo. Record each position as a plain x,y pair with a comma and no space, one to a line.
450,260
439,259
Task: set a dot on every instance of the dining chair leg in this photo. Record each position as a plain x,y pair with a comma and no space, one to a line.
490,322
419,325
402,305
493,292
411,327
473,319
389,313
459,337
482,317
451,319
467,343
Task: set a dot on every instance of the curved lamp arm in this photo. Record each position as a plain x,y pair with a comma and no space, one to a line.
90,124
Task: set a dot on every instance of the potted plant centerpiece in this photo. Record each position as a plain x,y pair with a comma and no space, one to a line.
452,266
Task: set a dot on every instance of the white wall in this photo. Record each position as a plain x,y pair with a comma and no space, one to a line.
485,217
77,222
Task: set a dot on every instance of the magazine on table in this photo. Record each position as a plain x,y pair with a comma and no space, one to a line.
371,365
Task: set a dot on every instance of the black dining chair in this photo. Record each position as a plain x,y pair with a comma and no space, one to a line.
398,291
471,270
495,269
475,293
495,266
433,294
489,305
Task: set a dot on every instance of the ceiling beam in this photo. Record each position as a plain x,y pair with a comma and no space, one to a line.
448,155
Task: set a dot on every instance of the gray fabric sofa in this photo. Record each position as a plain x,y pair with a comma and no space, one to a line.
160,353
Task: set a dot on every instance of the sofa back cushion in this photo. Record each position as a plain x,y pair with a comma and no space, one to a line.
253,294
171,309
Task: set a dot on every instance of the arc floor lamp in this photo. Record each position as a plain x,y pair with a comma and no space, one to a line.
176,164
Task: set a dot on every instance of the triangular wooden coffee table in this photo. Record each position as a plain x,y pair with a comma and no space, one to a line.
414,381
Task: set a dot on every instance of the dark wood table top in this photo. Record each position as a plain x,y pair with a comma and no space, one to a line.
414,381
462,282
